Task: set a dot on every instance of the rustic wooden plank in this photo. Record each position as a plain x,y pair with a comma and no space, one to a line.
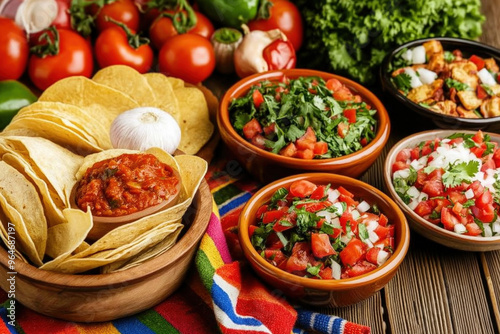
491,262
491,9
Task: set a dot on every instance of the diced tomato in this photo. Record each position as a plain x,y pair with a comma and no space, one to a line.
448,219
486,214
271,128
333,84
424,208
320,147
456,196
346,219
304,145
282,225
478,61
433,187
342,129
336,232
484,199
477,188
383,220
289,151
440,203
363,141
326,273
496,157
478,150
260,211
252,128
360,269
251,230
456,141
257,97
345,192
350,114
415,153
259,141
299,258
358,99
421,177
457,208
481,92
384,231
478,137
473,229
353,252
306,154
343,94
387,243
399,165
276,257
426,150
488,164
372,254
404,155
302,188
273,241
309,135
319,192
348,200
272,215
321,245
314,206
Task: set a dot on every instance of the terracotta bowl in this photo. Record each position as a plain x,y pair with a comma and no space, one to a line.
468,48
104,297
102,225
267,166
327,292
423,226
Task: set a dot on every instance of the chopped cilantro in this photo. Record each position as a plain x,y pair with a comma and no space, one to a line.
488,90
306,220
402,82
460,172
313,270
362,232
434,215
469,203
459,86
448,56
327,228
279,194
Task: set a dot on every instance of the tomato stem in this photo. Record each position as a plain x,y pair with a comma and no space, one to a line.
134,40
81,21
48,43
227,35
264,11
184,17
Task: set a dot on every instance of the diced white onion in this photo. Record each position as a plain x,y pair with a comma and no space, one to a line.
373,237
486,77
382,257
459,228
336,270
333,194
423,197
355,214
416,164
418,55
339,207
363,206
335,222
381,246
413,204
487,230
495,227
402,173
469,194
408,55
413,192
415,81
372,225
325,214
346,238
426,76
368,243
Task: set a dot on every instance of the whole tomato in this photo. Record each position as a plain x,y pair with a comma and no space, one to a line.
120,46
189,57
63,18
13,50
163,28
285,16
73,56
123,11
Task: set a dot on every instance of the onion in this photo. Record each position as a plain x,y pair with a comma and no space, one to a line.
36,15
418,55
363,206
459,228
145,127
415,81
382,256
486,77
426,76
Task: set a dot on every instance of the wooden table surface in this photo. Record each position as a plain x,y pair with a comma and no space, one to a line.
437,290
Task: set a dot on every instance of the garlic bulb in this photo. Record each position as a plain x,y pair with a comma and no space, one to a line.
143,128
36,15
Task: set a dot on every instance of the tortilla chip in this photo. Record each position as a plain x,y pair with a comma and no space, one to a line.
164,93
176,82
21,204
128,81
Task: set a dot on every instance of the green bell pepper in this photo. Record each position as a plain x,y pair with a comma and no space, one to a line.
13,96
231,13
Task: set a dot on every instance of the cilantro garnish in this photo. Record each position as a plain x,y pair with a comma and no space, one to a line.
460,172
459,86
313,270
279,194
448,56
402,82
306,220
362,232
488,90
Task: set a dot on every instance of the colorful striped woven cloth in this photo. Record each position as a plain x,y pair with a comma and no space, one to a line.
223,295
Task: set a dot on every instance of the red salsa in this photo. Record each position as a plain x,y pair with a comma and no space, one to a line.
322,232
126,184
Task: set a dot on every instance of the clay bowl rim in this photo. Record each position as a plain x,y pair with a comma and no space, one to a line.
241,87
264,194
470,242
129,276
449,44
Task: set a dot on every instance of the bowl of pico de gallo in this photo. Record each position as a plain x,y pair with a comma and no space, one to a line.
448,184
323,239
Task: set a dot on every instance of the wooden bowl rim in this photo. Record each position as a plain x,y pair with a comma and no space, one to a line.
242,86
469,241
98,281
371,278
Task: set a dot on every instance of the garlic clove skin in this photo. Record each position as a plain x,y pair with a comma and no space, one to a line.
143,128
36,15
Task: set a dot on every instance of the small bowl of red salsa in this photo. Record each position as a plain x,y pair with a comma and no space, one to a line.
126,188
325,239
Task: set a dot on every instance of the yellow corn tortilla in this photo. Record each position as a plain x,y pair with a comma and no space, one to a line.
164,94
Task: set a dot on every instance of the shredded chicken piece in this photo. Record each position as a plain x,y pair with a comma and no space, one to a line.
491,65
445,107
491,107
462,112
462,75
469,99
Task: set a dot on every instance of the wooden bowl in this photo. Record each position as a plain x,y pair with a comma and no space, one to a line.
326,292
423,226
95,298
267,166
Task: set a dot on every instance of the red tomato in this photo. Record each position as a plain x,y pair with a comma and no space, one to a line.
342,129
353,252
271,216
259,141
488,164
320,148
478,61
478,137
319,193
346,219
481,92
13,50
372,254
321,245
326,273
112,48
74,58
288,151
276,257
345,192
473,229
314,206
423,208
63,18
404,155
285,16
448,219
383,220
496,157
302,188
279,55
300,257
251,230
257,98
203,27
384,231
486,214
433,187
252,129
333,84
261,211
123,11
306,154
189,57
360,269
485,199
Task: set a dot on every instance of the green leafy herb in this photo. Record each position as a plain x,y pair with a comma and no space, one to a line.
448,56
488,90
327,228
306,220
403,82
460,172
435,215
313,270
363,232
459,86
279,194
469,203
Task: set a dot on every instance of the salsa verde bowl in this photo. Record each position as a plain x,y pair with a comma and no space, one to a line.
436,231
331,292
266,165
468,48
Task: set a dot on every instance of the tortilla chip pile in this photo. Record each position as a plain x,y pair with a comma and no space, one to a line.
50,144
